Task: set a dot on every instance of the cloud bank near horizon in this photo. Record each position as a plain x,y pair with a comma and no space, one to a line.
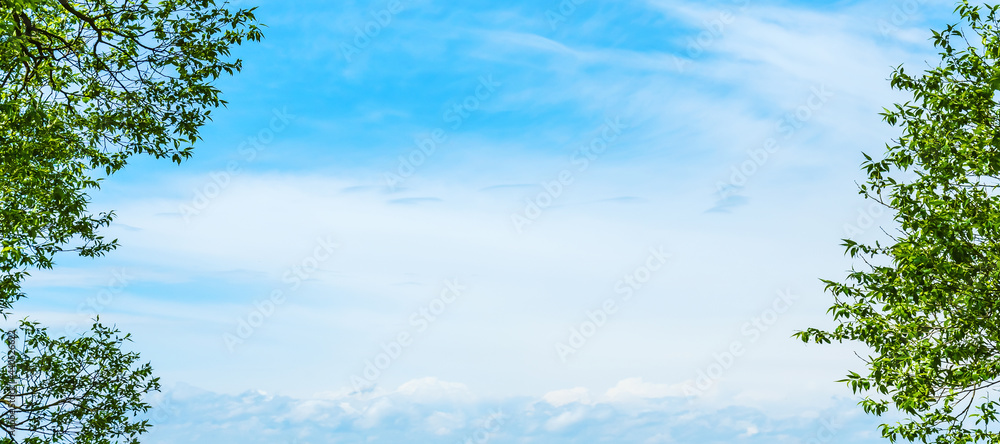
427,410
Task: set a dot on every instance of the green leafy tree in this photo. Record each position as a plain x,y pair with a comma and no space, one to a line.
85,85
927,301
78,390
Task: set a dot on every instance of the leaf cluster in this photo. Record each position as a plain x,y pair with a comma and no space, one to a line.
74,390
929,307
84,86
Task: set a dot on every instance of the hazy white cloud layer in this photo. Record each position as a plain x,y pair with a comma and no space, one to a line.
604,220
432,411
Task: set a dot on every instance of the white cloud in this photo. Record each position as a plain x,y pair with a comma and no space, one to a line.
391,418
525,293
636,388
565,419
430,390
559,398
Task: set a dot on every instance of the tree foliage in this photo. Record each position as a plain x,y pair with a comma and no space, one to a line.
74,390
927,302
86,85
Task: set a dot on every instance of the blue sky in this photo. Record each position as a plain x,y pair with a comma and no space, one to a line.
602,219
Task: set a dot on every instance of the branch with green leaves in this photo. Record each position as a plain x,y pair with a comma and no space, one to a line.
73,390
927,302
85,85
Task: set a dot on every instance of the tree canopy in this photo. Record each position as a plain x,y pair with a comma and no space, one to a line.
85,85
74,390
927,301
